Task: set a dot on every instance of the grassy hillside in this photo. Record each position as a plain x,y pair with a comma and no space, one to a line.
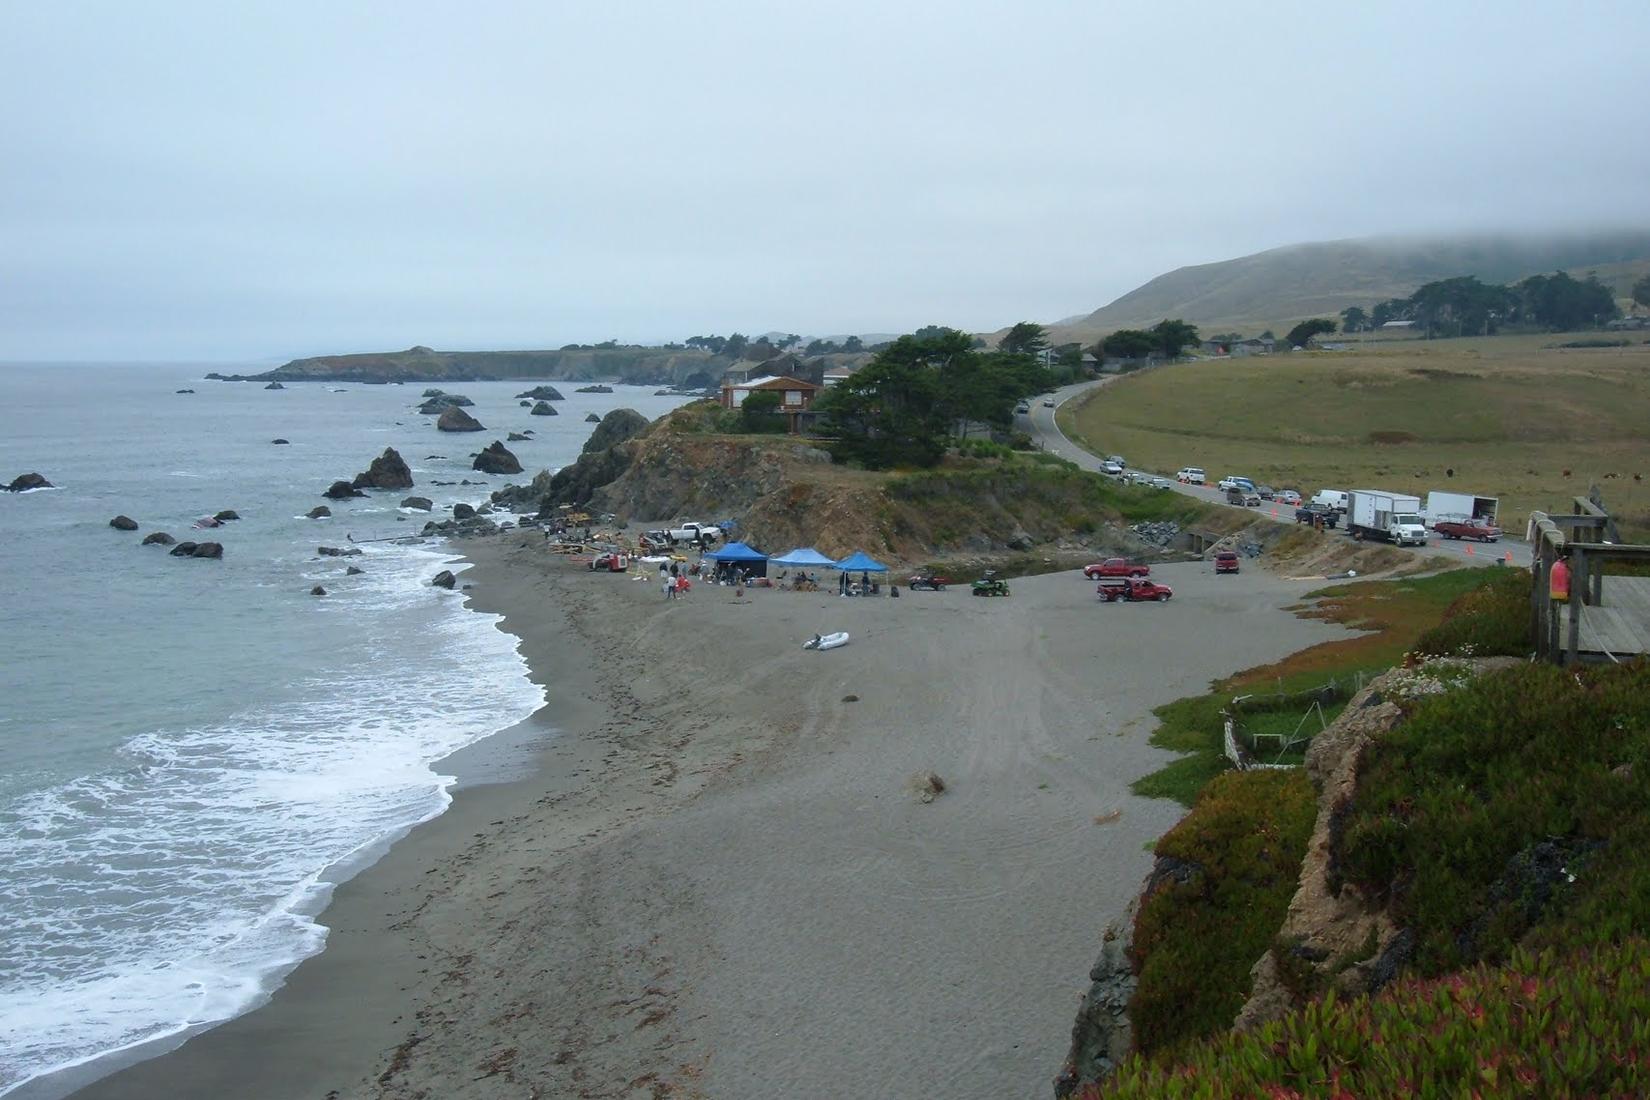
1276,288
1514,417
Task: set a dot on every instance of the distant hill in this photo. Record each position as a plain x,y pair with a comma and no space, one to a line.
646,366
1276,288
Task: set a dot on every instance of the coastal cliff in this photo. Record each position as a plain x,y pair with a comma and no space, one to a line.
686,368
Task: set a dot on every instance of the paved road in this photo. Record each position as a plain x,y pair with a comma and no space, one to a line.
1048,434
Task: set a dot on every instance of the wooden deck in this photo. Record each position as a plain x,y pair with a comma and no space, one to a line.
1619,626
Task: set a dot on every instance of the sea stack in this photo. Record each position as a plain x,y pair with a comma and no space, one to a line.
495,458
454,419
388,471
544,408
22,483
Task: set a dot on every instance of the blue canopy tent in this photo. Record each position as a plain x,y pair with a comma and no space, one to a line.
738,556
804,555
859,562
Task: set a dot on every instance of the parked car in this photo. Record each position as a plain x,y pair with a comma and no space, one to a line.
1048,403
1266,492
1466,527
1289,497
1117,459
1226,561
927,580
1246,497
1132,590
1335,498
1311,512
1190,475
1023,407
1112,468
1116,567
1159,483
1233,481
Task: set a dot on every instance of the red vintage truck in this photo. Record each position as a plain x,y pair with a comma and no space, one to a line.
1116,567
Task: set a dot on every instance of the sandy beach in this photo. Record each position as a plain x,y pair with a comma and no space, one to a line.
713,879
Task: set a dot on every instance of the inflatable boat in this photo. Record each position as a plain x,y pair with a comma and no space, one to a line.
827,641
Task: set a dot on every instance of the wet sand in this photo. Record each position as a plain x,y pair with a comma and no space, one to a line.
715,880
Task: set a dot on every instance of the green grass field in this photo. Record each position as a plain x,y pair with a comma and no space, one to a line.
1514,417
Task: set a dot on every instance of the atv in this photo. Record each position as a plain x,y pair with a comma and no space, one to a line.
928,581
990,585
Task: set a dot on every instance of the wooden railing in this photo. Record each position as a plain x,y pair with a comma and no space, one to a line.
1584,541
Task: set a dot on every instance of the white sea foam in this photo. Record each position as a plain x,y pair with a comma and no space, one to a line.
176,890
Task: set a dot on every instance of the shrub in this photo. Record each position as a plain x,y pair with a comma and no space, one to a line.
1549,1024
1237,859
1493,620
1503,813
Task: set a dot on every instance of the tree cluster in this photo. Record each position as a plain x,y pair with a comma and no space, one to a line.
1166,338
1301,335
1464,306
907,404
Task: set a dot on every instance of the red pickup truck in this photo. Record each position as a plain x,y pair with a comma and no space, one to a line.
1115,567
1132,590
1467,529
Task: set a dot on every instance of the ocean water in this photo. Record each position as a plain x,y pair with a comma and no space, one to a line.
191,751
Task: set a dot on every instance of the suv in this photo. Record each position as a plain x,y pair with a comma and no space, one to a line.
1226,561
1235,482
1312,512
1190,475
1248,498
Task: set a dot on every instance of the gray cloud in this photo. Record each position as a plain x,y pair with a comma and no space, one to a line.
203,180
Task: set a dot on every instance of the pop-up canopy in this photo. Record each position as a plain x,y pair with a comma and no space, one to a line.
736,551
804,555
858,562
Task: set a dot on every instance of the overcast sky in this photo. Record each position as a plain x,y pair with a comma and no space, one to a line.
261,181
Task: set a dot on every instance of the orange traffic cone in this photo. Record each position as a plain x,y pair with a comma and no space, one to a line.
1469,551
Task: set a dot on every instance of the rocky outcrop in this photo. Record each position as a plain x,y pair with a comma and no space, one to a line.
158,538
525,404
354,571
544,408
468,527
444,579
495,458
1102,1037
388,471
597,388
183,391
227,515
342,490
274,386
320,511
123,523
525,498
198,550
433,405
516,437
22,483
542,393
280,442
317,591
338,551
592,418
457,420
463,511
418,504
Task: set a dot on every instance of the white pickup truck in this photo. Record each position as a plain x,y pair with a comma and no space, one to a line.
694,532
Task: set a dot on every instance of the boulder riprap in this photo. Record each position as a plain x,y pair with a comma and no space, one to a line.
198,550
516,437
454,419
495,458
592,419
280,442
226,515
123,523
320,511
342,490
597,388
444,579
158,538
421,504
317,591
338,551
388,471
22,483
274,386
543,393
544,408
463,511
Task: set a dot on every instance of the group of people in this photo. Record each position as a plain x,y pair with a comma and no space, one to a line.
673,581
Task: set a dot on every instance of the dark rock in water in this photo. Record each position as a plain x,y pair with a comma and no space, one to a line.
543,393
340,391
183,549
434,405
457,420
463,511
320,511
226,515
544,408
338,551
495,458
158,538
516,437
467,481
388,471
485,510
22,483
597,388
342,490
432,393
280,442
526,496
444,579
123,523
207,550
274,386
422,504
317,591
432,458
592,419
183,391
353,571
527,431
525,404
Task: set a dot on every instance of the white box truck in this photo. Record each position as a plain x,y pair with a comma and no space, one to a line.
1395,517
1460,506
